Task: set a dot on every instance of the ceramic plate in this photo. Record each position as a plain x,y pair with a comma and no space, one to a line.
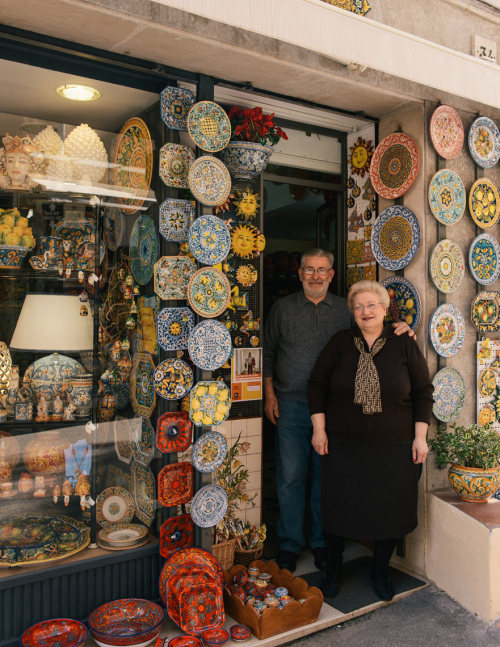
209,292
447,132
187,557
487,382
484,203
449,394
114,228
114,505
209,452
173,327
247,241
172,275
175,104
405,301
142,393
76,231
395,237
174,431
484,142
447,330
143,483
209,345
175,162
209,240
176,217
172,379
447,197
485,311
122,432
143,249
143,440
210,403
209,506
394,165
484,259
123,534
209,181
447,266
175,484
176,533
209,126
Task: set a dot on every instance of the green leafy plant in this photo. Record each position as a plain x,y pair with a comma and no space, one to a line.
467,445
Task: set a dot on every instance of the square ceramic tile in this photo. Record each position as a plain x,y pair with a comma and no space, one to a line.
254,427
257,499
254,481
253,515
255,444
254,462
237,427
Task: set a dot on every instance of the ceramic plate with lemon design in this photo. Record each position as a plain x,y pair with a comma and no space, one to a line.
209,292
210,403
405,301
484,203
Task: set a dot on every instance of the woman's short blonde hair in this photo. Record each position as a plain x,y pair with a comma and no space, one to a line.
368,286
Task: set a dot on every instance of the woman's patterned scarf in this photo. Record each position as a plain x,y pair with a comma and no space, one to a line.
367,383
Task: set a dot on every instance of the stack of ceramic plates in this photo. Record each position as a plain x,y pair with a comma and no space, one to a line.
122,536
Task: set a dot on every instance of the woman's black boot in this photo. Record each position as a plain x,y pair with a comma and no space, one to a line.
379,572
330,577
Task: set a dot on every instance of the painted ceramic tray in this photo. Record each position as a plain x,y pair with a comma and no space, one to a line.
484,203
142,393
447,132
172,275
247,241
209,181
209,506
484,142
405,301
123,534
143,440
201,607
209,452
449,394
172,379
175,104
143,249
447,329
209,240
394,165
143,485
209,403
176,217
132,164
175,484
174,431
209,345
447,197
395,237
173,327
188,557
447,266
209,126
485,311
487,382
114,505
209,292
175,162
176,533
484,259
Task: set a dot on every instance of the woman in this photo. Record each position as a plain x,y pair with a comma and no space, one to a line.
370,399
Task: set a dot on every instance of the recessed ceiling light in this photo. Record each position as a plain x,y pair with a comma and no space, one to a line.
76,92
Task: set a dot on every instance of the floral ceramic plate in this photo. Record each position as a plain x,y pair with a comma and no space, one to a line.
394,165
143,440
173,327
201,607
484,203
395,237
247,241
143,249
484,259
487,382
209,240
209,292
209,345
142,393
172,275
484,142
175,104
114,505
175,484
447,266
447,197
210,403
176,533
175,162
485,311
209,181
209,126
174,431
209,452
188,557
176,217
172,379
447,330
123,534
209,506
449,394
143,485
405,301
447,132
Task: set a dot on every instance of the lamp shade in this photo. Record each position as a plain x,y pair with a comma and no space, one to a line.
53,322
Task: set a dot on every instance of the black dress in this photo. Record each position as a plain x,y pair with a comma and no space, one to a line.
369,481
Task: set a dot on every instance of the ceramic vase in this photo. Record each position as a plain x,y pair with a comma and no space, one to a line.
80,392
44,455
50,373
474,484
246,160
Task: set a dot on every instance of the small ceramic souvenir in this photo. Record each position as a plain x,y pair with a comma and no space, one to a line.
247,204
42,408
175,163
25,484
175,104
240,632
394,166
215,637
17,163
39,488
247,241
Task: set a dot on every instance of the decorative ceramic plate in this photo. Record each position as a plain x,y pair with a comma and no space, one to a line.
210,403
175,484
209,345
484,142
209,292
447,266
114,505
209,126
449,394
187,557
485,311
175,104
209,181
143,440
57,632
173,327
123,534
176,217
142,393
247,241
114,228
76,231
175,162
484,203
209,506
172,275
447,132
209,452
173,432
172,379
484,259
176,533
394,165
113,547
143,483
447,197
132,164
405,301
447,330
209,240
487,382
143,249
395,237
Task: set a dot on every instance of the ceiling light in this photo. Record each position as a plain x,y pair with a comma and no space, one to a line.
76,92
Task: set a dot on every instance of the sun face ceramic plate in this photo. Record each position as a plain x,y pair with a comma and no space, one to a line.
209,452
176,217
143,249
175,104
447,266
449,394
485,311
247,275
209,240
209,126
175,162
394,165
209,292
172,379
447,330
142,393
447,132
209,345
484,203
143,440
405,301
143,485
176,533
172,275
209,181
247,241
174,431
210,403
173,327
114,505
175,484
447,197
209,506
484,142
484,259
395,237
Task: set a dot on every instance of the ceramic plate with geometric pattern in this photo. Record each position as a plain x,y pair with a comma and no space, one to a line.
447,330
447,132
209,181
209,240
143,487
175,104
209,126
176,216
394,165
142,393
174,431
484,142
209,292
173,327
449,394
143,440
175,162
447,197
172,275
484,259
484,203
447,266
114,505
209,345
143,249
395,237
209,506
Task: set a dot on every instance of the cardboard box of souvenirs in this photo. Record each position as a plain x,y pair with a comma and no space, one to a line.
272,620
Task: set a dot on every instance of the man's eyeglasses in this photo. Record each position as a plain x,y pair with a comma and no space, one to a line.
322,271
370,307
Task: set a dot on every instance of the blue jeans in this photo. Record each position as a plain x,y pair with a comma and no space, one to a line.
295,460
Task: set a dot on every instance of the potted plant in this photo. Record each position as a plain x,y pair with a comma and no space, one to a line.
473,453
253,136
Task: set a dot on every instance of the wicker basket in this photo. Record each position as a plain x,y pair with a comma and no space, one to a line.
246,557
224,553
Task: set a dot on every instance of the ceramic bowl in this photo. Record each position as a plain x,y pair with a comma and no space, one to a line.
240,632
12,256
215,637
59,632
130,622
185,641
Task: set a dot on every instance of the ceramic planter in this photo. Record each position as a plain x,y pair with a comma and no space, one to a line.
474,484
246,160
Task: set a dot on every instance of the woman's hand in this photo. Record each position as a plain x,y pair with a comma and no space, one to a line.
402,327
419,450
320,442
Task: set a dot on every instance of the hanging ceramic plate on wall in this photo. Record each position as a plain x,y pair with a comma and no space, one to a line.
209,126
209,240
143,249
209,181
142,393
209,506
173,326
209,345
114,505
172,379
394,165
175,104
209,452
175,162
485,311
447,266
484,203
209,403
143,440
395,237
405,301
209,292
447,132
175,484
449,394
484,142
172,275
174,431
114,228
447,330
176,533
484,259
447,197
176,217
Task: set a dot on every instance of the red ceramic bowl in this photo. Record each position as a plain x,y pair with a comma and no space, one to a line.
185,641
126,622
59,632
240,632
215,637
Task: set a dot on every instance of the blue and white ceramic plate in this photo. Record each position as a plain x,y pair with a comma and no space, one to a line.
209,292
484,259
175,104
176,217
142,393
144,491
209,506
447,330
172,275
209,240
172,379
447,197
405,301
143,249
143,440
209,452
484,142
449,394
175,162
209,345
395,237
209,126
173,327
209,181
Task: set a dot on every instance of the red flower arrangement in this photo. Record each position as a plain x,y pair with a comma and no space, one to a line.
252,125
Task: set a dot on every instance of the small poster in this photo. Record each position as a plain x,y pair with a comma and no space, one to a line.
246,374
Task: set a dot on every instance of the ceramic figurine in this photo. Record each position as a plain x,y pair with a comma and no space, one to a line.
67,490
16,162
107,405
42,409
67,262
82,489
114,351
56,492
57,407
25,484
69,411
39,487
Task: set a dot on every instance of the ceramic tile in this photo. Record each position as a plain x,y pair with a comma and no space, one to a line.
255,444
253,515
254,427
255,480
257,499
237,427
254,462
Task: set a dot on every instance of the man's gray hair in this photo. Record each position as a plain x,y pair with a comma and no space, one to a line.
316,251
